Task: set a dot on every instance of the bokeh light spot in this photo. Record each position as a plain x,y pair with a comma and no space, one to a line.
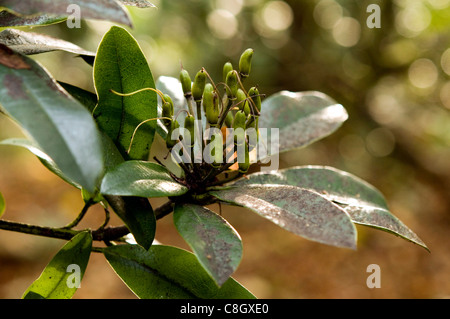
277,15
222,23
347,32
327,13
423,73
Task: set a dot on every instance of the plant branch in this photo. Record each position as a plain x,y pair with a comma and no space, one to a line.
105,234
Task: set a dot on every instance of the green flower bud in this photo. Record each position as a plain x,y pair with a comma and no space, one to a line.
189,124
211,104
168,99
245,63
229,119
186,83
243,167
227,68
167,111
252,123
241,101
256,98
169,142
217,156
232,84
199,85
239,127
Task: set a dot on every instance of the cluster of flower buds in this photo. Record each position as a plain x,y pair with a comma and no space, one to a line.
223,105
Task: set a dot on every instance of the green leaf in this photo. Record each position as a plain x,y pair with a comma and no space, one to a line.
142,179
363,202
89,9
168,273
121,66
43,158
138,216
300,211
112,156
302,118
86,98
214,241
29,43
58,279
335,185
2,205
59,124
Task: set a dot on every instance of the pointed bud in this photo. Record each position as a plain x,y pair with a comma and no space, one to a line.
211,104
227,68
167,111
239,127
244,166
169,142
256,98
229,119
199,85
232,84
189,124
186,83
245,63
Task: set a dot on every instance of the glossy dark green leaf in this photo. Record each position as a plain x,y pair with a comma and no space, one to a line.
138,216
43,158
59,124
300,211
302,118
363,202
121,66
59,278
142,179
29,43
168,273
86,98
89,9
2,205
214,241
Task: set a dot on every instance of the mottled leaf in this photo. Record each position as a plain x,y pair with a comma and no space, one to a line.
29,43
168,273
383,220
214,241
137,3
121,66
142,179
89,9
58,123
61,277
302,118
334,184
9,19
363,202
300,211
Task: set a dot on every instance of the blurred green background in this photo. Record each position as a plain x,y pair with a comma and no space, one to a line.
395,83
